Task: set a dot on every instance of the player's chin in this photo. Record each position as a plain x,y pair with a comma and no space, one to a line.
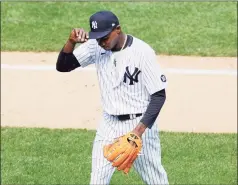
106,48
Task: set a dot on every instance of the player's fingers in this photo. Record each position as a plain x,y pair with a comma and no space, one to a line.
79,35
83,36
87,35
76,32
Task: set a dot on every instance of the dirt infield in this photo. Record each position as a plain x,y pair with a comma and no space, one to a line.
35,95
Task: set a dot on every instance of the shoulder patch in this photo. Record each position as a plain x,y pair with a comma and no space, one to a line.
163,78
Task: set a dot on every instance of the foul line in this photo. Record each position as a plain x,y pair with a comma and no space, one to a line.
168,70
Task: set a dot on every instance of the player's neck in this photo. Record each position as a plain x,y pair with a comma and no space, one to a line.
121,42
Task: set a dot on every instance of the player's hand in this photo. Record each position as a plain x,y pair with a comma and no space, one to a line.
78,35
121,153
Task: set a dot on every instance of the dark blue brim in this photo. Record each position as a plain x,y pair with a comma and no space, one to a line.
98,35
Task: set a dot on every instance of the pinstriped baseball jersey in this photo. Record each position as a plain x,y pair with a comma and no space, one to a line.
127,78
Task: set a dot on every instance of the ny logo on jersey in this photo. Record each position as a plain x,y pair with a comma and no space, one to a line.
94,25
132,77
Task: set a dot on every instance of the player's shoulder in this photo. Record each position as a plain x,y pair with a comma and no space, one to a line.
141,45
142,49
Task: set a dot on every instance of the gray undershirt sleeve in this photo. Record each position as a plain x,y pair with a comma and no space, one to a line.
154,107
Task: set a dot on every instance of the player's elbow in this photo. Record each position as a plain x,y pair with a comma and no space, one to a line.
61,68
61,63
66,62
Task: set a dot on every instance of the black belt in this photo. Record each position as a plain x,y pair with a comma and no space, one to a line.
128,116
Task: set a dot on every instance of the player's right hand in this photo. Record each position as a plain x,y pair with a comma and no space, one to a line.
78,35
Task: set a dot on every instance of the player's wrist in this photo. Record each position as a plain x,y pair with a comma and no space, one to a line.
139,129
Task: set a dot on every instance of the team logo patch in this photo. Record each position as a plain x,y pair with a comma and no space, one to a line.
163,78
132,77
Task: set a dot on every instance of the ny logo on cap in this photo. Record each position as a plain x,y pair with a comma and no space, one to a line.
94,24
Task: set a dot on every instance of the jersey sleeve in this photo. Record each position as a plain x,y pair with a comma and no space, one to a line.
86,52
153,76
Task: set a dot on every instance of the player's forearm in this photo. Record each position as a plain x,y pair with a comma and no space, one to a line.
69,47
152,112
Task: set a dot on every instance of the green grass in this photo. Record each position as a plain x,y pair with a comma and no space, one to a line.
45,156
174,28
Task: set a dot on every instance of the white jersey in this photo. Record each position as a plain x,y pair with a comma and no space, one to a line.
127,78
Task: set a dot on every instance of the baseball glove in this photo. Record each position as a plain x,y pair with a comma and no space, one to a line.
124,151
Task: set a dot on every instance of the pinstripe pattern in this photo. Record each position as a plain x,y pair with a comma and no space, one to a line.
119,97
148,165
85,53
121,93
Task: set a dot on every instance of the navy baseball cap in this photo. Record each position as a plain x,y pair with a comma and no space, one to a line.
102,23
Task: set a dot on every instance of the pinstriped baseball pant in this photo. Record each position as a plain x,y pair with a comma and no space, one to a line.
148,165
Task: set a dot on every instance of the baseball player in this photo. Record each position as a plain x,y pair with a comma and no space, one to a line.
132,89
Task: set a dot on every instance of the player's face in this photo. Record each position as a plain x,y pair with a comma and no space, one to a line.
109,41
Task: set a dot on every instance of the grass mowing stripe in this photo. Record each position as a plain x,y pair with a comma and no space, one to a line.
55,156
178,28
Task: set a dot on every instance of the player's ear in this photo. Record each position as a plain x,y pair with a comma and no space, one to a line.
118,29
